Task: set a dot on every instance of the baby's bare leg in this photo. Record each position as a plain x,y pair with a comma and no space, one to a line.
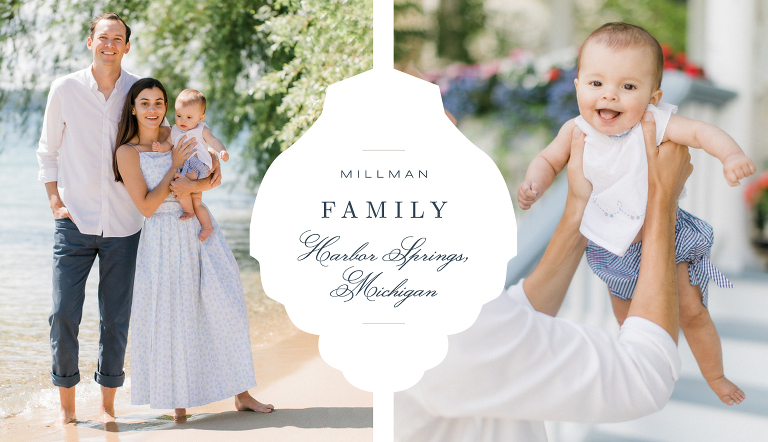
186,202
702,337
203,216
620,308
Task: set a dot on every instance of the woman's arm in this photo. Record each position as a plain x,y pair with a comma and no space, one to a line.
516,363
547,285
130,169
655,298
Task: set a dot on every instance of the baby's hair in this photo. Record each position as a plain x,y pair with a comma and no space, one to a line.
622,36
110,16
189,97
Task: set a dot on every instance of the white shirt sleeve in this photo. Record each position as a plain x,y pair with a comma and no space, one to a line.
51,138
517,363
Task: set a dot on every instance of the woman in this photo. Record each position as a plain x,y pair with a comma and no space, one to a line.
517,366
190,342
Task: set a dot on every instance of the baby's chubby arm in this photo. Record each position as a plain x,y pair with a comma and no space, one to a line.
215,143
164,145
545,167
715,142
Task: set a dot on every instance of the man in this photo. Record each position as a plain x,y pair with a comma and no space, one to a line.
94,215
517,366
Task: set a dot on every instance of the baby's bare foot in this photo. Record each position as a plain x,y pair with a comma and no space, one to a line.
186,215
180,415
205,233
245,402
727,391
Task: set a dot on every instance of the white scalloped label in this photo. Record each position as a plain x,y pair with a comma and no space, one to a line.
383,230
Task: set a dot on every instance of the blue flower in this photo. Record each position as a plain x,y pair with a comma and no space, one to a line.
561,99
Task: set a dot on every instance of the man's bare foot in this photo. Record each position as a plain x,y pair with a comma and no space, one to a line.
727,391
179,415
205,233
67,410
107,406
106,416
186,215
65,417
245,402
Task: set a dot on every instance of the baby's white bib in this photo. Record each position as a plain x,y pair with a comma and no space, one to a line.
201,149
617,167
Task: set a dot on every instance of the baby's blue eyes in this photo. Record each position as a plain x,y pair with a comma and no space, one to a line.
595,83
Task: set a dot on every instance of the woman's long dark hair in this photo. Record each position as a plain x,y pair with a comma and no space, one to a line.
129,126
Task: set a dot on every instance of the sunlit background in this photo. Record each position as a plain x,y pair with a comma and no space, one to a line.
506,68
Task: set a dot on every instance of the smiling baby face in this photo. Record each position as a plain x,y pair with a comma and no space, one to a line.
614,86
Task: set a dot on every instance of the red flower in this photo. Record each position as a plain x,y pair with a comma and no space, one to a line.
692,70
753,192
679,61
666,50
553,74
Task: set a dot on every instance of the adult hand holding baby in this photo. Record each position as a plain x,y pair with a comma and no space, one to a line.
669,164
182,186
579,186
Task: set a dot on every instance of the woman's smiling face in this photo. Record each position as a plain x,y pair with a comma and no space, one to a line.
149,107
614,87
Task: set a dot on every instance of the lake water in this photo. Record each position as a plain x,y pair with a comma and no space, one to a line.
26,241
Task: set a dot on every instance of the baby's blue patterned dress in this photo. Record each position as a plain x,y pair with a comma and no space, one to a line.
190,340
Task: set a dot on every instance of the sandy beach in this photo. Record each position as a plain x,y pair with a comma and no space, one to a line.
313,401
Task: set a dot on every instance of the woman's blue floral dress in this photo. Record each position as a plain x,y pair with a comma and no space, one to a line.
190,341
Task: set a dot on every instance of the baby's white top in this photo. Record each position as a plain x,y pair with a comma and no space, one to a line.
617,167
201,149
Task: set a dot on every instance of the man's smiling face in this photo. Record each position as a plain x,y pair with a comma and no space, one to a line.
108,43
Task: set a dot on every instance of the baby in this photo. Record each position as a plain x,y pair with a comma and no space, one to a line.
619,75
190,113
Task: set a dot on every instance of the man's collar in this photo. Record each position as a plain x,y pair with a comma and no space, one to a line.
92,80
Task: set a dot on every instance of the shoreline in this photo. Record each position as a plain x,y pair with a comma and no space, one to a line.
313,401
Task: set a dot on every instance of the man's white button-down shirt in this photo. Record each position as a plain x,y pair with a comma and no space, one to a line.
76,150
516,367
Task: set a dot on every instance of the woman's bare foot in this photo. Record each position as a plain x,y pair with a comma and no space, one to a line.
727,391
245,402
205,233
186,215
179,415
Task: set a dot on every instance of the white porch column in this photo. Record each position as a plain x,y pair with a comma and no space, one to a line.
729,47
561,25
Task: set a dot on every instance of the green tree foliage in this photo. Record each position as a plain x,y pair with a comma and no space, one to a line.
457,22
263,65
410,30
664,19
39,39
